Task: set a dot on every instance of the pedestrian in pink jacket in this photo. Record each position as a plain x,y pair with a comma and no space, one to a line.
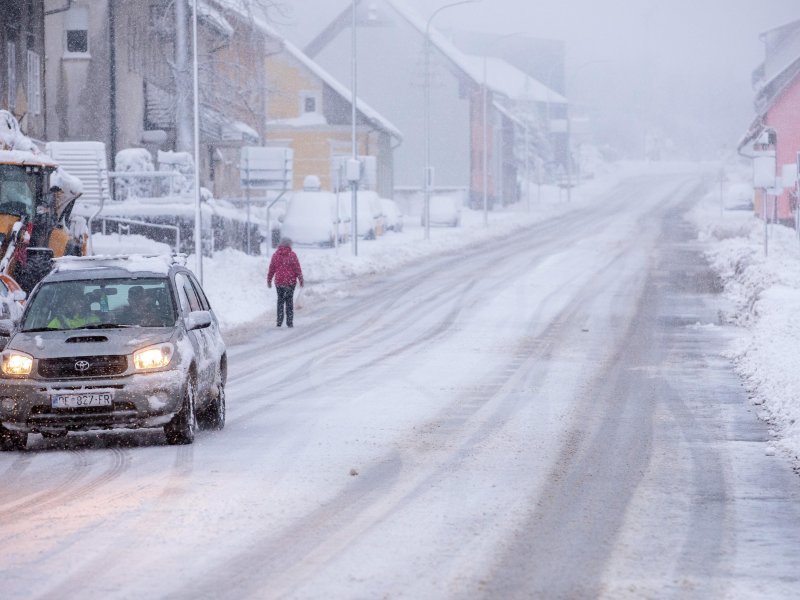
285,268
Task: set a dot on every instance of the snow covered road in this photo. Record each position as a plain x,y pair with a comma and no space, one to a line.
543,416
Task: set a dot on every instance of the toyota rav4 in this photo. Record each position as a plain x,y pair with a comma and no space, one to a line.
113,342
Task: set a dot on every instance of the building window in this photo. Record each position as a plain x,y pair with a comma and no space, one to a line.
76,28
34,83
309,103
11,74
77,41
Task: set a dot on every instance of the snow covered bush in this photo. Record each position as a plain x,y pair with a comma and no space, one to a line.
182,164
133,160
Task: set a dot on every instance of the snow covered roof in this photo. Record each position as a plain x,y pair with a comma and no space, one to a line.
17,148
502,77
17,157
781,28
771,90
506,79
369,113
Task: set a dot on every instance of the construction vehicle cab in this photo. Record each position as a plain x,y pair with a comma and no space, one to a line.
36,201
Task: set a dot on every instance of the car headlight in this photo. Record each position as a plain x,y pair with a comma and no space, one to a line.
153,357
17,363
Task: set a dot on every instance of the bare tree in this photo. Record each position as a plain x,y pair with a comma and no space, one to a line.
229,84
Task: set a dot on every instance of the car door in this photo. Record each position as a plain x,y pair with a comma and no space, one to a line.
216,346
199,338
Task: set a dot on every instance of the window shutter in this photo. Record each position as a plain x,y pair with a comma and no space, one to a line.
34,83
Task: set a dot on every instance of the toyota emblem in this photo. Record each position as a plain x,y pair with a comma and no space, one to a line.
82,365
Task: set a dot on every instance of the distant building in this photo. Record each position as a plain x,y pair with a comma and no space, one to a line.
113,77
311,112
391,58
22,48
777,123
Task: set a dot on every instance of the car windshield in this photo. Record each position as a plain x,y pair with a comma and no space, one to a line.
100,304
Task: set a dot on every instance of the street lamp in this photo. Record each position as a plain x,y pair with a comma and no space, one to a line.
353,117
198,229
428,173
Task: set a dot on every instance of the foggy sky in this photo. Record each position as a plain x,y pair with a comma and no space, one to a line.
682,67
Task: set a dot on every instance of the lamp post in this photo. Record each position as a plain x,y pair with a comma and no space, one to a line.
428,172
198,229
354,133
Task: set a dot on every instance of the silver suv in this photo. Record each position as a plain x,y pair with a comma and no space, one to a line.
113,342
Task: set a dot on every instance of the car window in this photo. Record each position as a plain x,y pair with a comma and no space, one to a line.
106,303
189,301
201,295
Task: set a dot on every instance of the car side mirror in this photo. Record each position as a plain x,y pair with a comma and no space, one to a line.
7,327
18,295
199,319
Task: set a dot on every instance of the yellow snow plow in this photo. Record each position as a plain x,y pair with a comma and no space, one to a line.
36,201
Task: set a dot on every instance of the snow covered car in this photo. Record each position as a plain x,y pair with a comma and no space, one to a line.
113,342
445,211
12,299
370,215
392,217
311,219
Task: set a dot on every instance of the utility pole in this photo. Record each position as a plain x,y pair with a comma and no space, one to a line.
351,171
183,108
198,224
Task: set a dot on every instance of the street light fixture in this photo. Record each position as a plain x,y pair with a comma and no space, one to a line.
428,173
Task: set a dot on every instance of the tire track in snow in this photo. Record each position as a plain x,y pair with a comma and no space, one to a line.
380,492
150,517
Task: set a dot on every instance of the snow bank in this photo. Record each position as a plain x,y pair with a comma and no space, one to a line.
764,294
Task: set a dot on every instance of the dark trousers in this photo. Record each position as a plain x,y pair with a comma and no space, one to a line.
285,298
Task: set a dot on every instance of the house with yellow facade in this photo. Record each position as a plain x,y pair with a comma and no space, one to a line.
114,76
311,112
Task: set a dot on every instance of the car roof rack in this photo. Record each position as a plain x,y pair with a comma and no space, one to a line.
131,262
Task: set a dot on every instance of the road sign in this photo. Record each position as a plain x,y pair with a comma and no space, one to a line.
266,168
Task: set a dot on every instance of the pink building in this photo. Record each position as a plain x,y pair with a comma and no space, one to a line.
777,123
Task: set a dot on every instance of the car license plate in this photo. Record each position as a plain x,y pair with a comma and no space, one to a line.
82,400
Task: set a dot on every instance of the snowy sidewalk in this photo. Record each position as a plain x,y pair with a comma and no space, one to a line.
764,296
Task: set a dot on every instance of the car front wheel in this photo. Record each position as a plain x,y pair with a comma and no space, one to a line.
182,427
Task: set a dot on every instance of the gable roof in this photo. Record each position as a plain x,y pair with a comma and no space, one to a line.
780,29
772,90
506,79
502,78
366,111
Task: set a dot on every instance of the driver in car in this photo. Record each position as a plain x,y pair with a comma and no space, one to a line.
75,314
138,309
